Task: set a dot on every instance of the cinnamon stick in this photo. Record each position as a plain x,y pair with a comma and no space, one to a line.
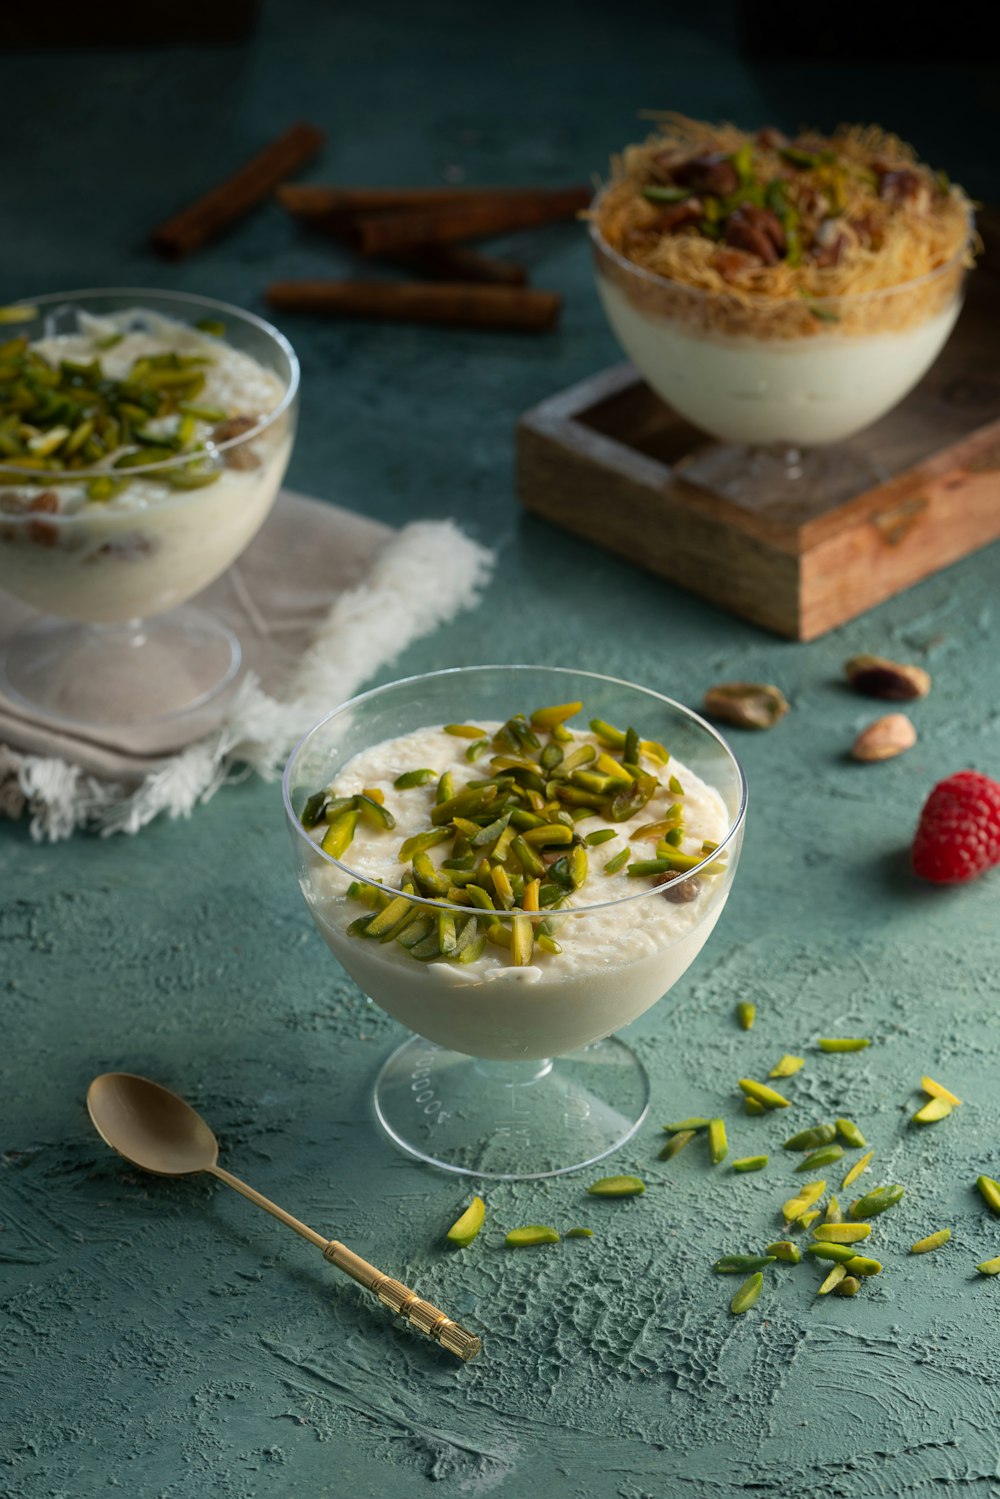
231,199
454,304
448,223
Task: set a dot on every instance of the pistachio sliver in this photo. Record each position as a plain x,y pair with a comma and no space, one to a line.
746,1014
932,1111
827,1250
739,1264
464,731
676,1144
465,1228
695,1122
717,1142
824,1156
878,1200
808,1139
785,1249
748,1293
849,1131
938,1090
989,1267
834,1278
843,1043
411,778
530,1235
602,835
340,834
841,1233
617,1186
616,864
763,1094
860,1165
420,842
787,1066
579,1233
989,1191
750,1163
931,1242
548,718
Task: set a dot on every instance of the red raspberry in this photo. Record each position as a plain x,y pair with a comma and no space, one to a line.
959,831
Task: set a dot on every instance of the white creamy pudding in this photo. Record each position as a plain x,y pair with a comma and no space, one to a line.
801,391
586,972
98,535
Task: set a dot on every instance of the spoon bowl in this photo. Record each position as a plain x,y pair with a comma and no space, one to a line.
150,1126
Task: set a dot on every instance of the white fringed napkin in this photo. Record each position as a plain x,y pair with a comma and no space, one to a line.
321,600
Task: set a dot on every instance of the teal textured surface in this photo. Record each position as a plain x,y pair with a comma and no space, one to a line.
164,1338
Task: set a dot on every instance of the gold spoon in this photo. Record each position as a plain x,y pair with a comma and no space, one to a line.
159,1132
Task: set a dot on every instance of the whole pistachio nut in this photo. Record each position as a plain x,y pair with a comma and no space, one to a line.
876,676
885,738
749,705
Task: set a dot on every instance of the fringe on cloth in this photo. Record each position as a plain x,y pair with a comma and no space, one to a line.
421,579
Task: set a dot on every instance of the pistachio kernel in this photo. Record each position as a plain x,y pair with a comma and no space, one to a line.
748,705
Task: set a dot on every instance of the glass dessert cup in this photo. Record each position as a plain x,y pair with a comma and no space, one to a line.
119,651
783,384
514,1072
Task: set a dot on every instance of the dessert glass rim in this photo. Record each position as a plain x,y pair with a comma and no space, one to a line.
164,465
735,824
756,299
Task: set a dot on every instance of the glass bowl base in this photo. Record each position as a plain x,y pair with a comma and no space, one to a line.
169,672
511,1121
782,477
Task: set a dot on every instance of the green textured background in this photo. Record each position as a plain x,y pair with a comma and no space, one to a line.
165,1339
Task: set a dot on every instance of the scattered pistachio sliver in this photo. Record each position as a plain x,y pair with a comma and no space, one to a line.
860,1265
695,1122
808,1139
763,1094
603,835
850,1132
617,1186
613,866
796,1206
989,1267
746,1013
849,1286
750,1163
747,1294
938,1090
676,1144
833,1213
464,731
739,1264
752,1107
532,1233
785,1249
806,1220
932,1241
579,1233
787,1066
861,1164
843,1043
826,1249
465,1229
876,1201
834,1278
824,1156
717,1142
841,1233
340,834
933,1110
989,1190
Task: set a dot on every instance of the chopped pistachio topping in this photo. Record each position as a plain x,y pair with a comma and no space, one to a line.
60,419
860,1165
739,1264
787,1066
843,1043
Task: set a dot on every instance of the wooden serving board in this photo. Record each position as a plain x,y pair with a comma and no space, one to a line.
601,459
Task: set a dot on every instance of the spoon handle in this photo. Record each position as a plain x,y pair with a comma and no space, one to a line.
392,1293
399,1298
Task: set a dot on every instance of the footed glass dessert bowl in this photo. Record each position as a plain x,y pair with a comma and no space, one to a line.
143,439
514,862
780,294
